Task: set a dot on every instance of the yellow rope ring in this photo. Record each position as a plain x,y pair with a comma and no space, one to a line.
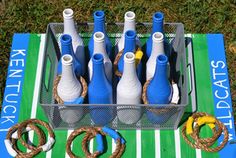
205,144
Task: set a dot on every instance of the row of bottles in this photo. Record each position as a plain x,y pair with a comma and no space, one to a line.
100,70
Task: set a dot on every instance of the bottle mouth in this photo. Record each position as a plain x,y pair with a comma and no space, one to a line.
67,59
129,57
66,39
68,13
130,34
97,58
100,15
162,59
98,36
130,16
158,37
158,16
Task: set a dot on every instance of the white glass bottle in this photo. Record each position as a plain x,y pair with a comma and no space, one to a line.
99,48
77,42
129,90
157,49
129,24
69,89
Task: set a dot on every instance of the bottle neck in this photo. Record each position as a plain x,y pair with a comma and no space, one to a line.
129,25
67,73
69,28
99,47
67,49
157,49
157,26
99,25
160,75
130,45
98,72
129,72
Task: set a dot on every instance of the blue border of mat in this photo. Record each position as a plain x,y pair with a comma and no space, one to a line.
221,91
13,90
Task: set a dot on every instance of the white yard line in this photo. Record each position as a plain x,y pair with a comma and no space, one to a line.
37,83
113,142
113,145
177,144
68,134
91,145
157,144
38,76
138,144
198,153
49,154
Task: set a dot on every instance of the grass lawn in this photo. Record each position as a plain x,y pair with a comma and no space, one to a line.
198,16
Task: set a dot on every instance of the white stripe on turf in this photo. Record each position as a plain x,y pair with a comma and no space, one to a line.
49,153
68,134
113,142
91,145
37,82
177,144
157,144
198,153
113,145
138,144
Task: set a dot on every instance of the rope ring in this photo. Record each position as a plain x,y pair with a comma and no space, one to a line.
216,133
47,146
120,144
145,101
209,141
74,134
198,142
86,139
214,149
117,59
11,142
57,80
205,143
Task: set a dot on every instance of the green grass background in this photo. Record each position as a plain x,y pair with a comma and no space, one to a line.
198,16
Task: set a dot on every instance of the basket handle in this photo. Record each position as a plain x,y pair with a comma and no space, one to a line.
190,76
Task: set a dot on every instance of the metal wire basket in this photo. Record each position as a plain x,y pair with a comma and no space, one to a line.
74,116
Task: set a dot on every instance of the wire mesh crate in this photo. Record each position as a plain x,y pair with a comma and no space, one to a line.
74,116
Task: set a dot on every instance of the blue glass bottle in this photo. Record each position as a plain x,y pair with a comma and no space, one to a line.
130,46
157,26
159,90
99,26
66,48
100,92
